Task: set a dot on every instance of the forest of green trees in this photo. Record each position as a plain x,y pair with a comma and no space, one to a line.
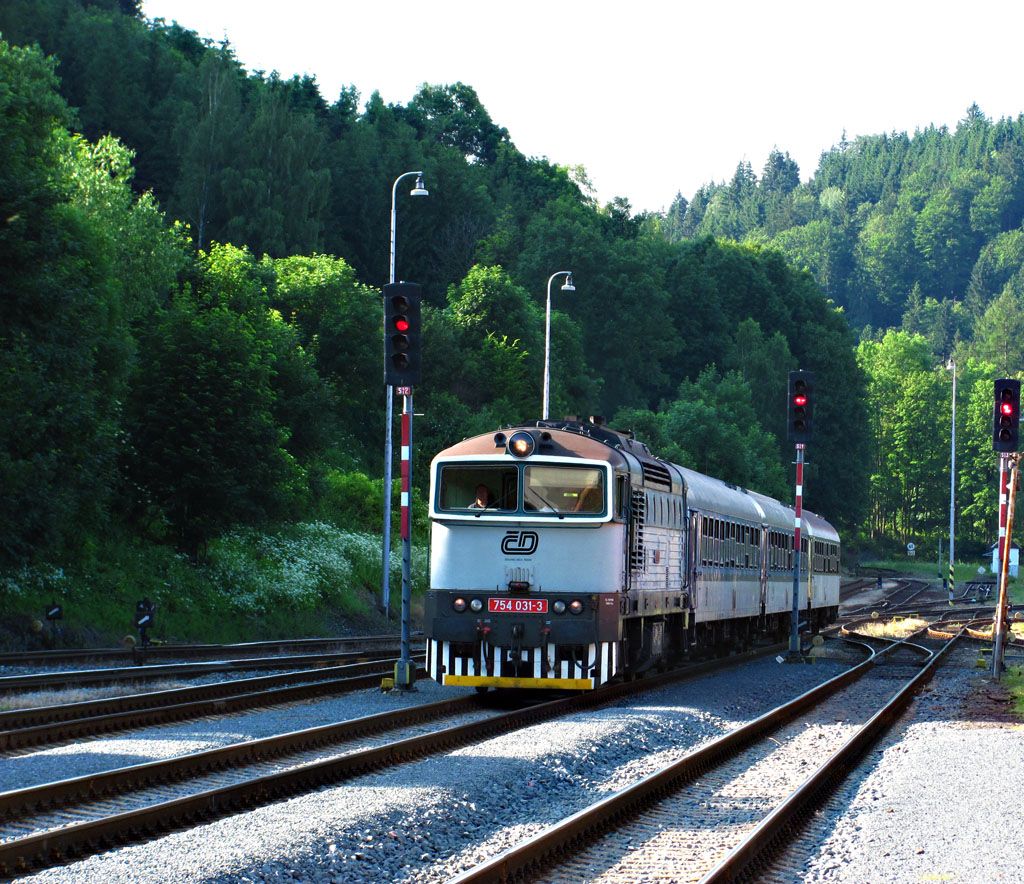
191,320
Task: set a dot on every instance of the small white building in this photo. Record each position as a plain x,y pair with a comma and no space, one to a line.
1014,558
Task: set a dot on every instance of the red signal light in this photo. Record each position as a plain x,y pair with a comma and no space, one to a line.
799,399
1006,408
401,324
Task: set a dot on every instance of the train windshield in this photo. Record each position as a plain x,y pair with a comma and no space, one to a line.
479,488
564,489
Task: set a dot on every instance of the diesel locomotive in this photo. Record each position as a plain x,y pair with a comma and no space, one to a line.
564,554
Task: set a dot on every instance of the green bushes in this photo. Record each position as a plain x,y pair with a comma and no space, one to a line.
308,578
354,499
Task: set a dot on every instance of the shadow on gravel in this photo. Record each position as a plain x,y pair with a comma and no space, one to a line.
22,771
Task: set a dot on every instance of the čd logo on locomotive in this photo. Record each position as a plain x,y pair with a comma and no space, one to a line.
519,543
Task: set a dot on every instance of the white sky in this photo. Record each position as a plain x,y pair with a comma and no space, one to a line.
651,98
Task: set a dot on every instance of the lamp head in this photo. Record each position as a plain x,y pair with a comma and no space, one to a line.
568,287
419,189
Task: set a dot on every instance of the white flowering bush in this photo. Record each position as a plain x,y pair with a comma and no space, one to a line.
33,581
302,567
252,584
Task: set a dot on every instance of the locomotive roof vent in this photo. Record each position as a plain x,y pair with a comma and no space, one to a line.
656,473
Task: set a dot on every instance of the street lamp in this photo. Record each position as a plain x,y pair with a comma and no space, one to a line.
567,287
951,365
418,190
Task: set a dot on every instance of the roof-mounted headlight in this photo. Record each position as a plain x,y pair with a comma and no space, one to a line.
521,445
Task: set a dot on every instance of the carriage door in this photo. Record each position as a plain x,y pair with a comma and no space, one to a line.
693,545
806,551
763,572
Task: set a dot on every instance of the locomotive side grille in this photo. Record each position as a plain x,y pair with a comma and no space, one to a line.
636,540
656,474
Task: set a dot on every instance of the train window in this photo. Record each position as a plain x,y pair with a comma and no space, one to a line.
475,487
621,495
564,489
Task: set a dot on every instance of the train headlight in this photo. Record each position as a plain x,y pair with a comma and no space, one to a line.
459,604
521,445
559,607
476,605
576,606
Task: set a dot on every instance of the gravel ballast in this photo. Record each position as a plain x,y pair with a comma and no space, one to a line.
936,800
427,820
920,807
87,756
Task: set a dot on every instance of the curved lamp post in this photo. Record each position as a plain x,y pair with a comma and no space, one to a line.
567,287
385,582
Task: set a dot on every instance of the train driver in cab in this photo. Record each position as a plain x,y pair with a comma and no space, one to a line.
483,499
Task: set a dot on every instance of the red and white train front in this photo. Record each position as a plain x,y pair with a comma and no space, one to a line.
527,543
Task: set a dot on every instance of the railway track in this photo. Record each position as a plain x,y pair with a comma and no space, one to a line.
50,824
61,656
134,674
24,728
849,588
666,817
906,591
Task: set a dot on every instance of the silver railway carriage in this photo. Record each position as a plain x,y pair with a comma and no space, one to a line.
564,553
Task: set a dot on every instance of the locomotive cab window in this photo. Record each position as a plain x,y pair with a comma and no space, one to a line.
564,489
479,488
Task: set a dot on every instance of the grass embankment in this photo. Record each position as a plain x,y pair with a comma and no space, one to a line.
305,579
1014,681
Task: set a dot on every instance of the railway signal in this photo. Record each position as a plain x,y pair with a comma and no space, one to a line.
402,369
800,406
144,619
1006,415
799,427
402,334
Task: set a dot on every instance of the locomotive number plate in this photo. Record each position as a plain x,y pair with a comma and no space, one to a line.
517,606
